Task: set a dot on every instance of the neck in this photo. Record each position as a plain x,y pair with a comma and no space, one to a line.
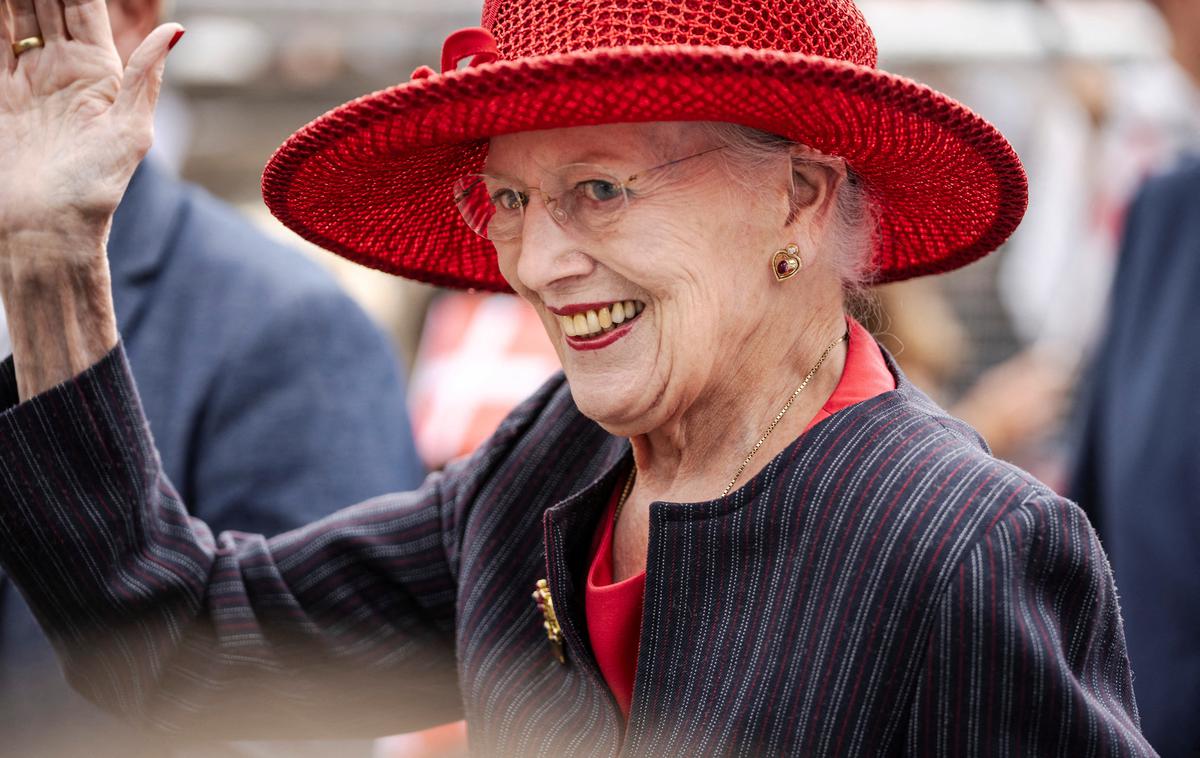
694,455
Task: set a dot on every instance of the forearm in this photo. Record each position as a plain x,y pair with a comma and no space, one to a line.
57,296
150,618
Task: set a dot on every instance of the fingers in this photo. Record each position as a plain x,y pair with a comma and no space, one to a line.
143,76
24,19
50,19
6,39
87,21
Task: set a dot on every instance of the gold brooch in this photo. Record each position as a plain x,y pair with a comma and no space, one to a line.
554,634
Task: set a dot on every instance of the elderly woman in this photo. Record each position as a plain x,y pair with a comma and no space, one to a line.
744,531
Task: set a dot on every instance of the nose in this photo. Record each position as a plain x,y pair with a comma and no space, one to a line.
552,205
549,253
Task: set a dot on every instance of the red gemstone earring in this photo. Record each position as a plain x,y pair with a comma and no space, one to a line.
787,262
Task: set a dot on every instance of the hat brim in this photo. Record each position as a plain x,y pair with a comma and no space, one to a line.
371,180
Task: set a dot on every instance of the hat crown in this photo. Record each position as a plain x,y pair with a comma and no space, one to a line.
828,28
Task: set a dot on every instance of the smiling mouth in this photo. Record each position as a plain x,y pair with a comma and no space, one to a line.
593,324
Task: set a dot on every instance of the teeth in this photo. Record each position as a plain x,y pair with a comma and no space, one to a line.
592,323
568,325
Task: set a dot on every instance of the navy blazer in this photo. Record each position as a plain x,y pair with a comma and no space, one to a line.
1138,469
272,398
882,587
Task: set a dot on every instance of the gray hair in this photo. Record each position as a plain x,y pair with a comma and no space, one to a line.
850,240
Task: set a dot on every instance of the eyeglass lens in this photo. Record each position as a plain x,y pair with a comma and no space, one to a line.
587,196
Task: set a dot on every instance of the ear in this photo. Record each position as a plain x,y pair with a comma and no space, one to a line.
816,181
132,21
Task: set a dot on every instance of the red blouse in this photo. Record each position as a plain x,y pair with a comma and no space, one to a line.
614,610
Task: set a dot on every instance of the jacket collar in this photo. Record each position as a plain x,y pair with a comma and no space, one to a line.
144,224
577,514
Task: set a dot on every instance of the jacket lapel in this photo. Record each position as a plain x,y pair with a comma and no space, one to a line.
143,230
569,527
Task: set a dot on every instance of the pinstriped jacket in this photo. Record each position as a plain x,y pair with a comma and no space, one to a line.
882,587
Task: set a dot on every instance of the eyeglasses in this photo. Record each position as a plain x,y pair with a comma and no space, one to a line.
589,196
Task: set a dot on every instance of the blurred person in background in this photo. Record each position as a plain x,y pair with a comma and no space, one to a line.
271,397
1138,467
1012,404
745,531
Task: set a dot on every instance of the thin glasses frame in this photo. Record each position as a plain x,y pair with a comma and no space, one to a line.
479,209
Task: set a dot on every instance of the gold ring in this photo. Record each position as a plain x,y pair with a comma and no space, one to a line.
27,44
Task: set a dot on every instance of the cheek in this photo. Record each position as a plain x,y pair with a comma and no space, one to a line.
709,238
664,251
696,275
506,261
698,318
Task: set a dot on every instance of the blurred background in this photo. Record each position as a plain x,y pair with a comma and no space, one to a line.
1086,91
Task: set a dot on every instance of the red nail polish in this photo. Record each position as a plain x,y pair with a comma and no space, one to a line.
175,40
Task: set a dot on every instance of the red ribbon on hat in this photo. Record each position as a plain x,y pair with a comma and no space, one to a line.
474,42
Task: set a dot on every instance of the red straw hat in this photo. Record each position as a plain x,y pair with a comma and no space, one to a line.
371,180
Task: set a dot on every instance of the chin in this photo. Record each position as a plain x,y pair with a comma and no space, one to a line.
602,405
616,406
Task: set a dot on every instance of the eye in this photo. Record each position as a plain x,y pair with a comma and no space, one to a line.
599,190
509,199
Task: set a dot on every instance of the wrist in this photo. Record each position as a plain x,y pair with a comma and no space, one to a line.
58,298
32,258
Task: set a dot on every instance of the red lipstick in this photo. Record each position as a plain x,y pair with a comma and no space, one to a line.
605,339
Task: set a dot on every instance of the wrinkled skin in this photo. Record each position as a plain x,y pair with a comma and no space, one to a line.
74,124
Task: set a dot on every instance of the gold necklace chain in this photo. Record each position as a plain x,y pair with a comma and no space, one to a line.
624,495
757,445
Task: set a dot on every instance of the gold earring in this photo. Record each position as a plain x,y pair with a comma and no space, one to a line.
787,262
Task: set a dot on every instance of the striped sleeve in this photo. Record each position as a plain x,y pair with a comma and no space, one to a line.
344,627
1026,655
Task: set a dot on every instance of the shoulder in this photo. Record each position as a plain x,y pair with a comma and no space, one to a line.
225,279
953,453
536,430
921,482
216,242
1176,182
1170,195
1047,523
910,443
1157,271
543,452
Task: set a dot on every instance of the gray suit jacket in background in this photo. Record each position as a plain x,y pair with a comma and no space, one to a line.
272,398
1137,444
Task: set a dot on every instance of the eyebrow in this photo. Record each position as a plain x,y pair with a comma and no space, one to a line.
594,155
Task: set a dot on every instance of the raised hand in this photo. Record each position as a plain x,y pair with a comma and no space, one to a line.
74,124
